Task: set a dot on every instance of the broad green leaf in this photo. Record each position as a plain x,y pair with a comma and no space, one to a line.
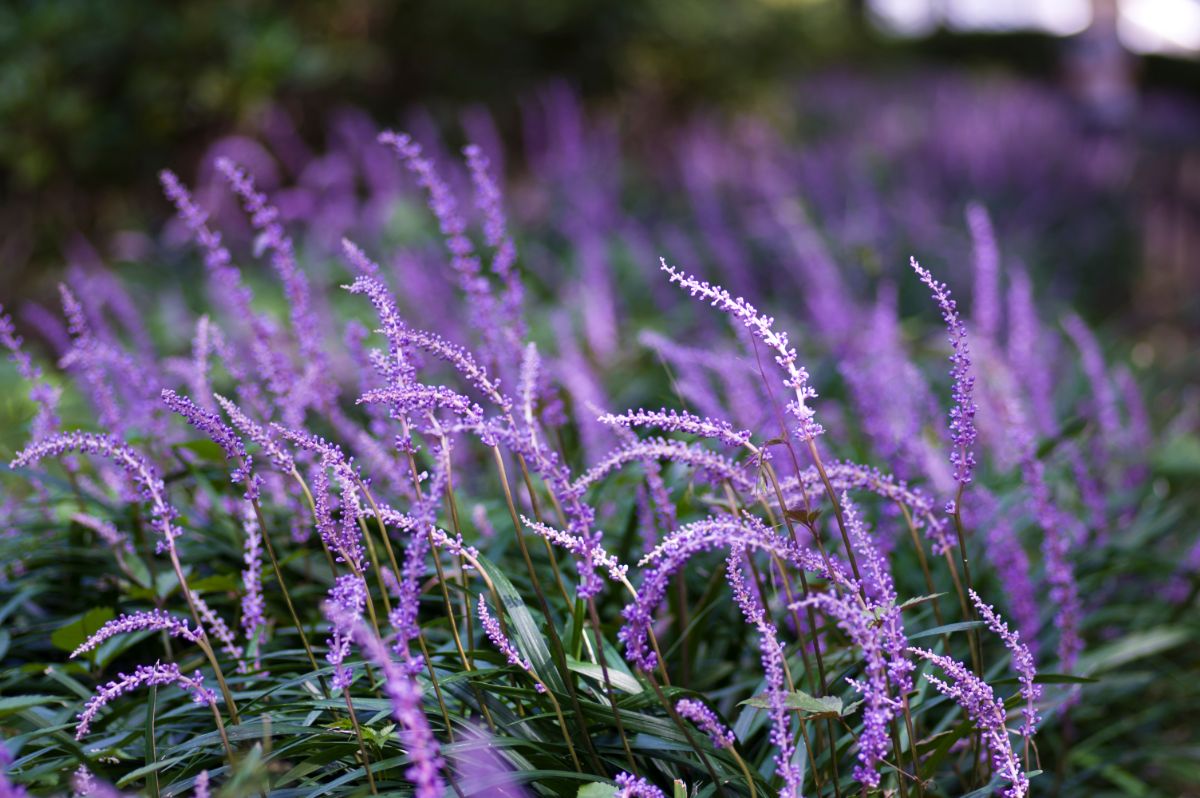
596,789
16,703
621,681
69,636
947,629
809,705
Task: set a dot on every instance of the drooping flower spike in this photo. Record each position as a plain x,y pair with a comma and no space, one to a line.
144,676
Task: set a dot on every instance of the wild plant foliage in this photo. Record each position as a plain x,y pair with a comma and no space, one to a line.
326,550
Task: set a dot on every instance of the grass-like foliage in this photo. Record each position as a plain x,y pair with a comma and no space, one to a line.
406,535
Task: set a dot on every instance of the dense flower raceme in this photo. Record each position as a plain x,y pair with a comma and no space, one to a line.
416,446
143,676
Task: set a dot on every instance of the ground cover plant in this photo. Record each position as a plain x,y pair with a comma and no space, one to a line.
417,510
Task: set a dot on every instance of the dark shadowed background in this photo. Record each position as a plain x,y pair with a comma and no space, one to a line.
96,97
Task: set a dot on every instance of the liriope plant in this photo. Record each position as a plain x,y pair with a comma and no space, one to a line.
481,577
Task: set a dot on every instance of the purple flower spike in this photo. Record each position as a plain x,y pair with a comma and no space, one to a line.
491,626
143,676
986,713
347,598
201,785
1022,662
220,433
44,395
155,620
762,327
676,421
962,415
138,469
405,696
707,721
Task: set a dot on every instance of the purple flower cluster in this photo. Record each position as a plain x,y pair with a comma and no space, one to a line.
986,712
154,620
491,627
707,720
962,415
144,676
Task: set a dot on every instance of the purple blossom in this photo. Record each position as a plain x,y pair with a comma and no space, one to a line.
489,201
707,721
253,622
154,620
617,570
106,530
673,554
629,786
218,629
138,469
762,327
265,218
85,357
713,466
986,308
774,670
201,785
144,676
492,628
347,598
677,421
257,433
986,713
41,393
962,415
220,433
405,696
1022,662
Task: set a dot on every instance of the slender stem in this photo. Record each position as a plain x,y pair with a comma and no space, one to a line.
362,745
287,597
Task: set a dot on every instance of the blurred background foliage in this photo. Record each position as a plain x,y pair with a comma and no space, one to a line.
96,97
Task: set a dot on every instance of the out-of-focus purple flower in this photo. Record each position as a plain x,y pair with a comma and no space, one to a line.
985,311
347,598
405,696
105,529
986,713
707,720
265,218
155,620
201,789
463,260
762,327
44,395
84,356
143,676
495,231
962,415
1010,561
83,783
1103,398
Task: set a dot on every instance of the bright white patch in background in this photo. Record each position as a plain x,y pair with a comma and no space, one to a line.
904,17
1058,17
1146,26
1160,26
